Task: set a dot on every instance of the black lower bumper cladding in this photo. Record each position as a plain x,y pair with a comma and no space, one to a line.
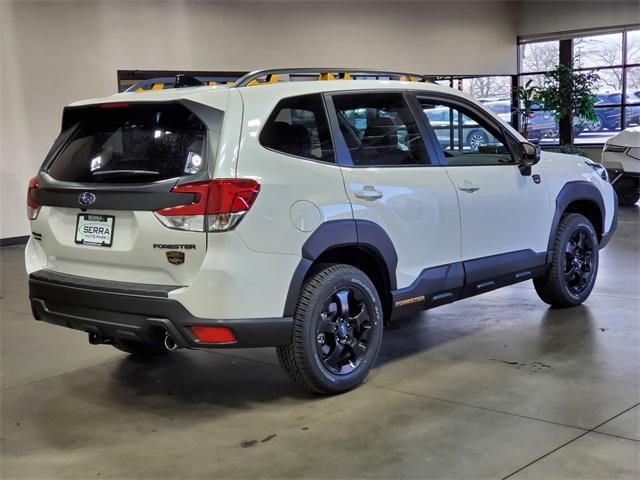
128,311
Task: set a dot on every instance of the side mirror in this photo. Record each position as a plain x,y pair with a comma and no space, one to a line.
529,156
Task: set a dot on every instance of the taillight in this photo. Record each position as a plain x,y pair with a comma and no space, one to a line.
33,207
214,334
114,105
218,205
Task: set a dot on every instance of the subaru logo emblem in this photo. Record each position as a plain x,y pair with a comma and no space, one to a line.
86,199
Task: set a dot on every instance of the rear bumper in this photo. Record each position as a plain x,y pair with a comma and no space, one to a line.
118,310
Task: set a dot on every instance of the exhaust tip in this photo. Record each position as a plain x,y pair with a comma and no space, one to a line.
169,343
95,338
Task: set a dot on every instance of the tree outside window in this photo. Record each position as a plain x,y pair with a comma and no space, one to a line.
614,57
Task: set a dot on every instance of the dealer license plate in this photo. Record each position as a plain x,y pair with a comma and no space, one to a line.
95,229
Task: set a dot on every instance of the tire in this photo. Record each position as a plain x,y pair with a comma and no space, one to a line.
475,138
628,199
574,265
598,125
141,349
326,341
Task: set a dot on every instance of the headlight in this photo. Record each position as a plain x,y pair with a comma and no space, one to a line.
634,153
599,169
614,148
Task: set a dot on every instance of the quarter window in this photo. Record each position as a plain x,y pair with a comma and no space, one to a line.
298,126
465,137
379,130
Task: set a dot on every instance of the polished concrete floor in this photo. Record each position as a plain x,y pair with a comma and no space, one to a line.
492,387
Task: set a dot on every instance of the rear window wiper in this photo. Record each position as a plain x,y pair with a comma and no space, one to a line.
117,173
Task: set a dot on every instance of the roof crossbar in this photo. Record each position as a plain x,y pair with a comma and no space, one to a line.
327,73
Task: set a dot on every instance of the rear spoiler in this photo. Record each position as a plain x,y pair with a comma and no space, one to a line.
180,80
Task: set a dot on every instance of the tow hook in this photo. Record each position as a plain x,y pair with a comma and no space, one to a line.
169,343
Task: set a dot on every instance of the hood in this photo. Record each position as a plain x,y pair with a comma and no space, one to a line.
629,137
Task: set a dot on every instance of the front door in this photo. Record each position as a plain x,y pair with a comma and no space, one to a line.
501,210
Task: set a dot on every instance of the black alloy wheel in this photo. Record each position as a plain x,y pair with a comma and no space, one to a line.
342,332
578,257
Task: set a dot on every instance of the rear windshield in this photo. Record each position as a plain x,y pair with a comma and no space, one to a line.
130,143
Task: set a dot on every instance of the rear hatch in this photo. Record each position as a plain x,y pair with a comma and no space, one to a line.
114,199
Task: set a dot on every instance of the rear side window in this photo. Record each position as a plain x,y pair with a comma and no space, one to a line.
298,126
130,143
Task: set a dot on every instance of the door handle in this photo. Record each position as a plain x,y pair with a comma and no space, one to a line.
368,192
468,187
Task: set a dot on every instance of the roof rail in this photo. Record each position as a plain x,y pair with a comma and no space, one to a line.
326,74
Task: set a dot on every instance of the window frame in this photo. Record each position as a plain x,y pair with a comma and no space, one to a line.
460,102
341,150
273,115
566,56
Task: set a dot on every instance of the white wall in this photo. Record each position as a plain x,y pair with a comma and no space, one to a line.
541,16
54,53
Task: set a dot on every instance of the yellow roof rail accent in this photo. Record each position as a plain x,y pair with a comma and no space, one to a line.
410,78
270,79
326,76
158,86
334,76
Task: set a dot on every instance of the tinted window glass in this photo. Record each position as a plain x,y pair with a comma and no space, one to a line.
298,126
465,137
379,129
130,143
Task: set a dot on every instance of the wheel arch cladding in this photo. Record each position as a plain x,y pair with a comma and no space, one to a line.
361,243
579,197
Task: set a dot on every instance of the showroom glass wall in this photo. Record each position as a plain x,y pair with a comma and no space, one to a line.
495,91
614,55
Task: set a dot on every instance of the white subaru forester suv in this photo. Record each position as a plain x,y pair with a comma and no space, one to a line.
303,215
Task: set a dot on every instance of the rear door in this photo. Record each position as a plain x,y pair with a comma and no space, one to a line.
391,180
105,184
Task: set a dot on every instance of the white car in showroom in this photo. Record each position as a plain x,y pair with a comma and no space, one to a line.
621,157
303,215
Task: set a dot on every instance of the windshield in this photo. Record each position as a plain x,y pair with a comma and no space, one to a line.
119,143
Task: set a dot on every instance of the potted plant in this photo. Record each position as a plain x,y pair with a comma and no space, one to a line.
570,97
526,96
